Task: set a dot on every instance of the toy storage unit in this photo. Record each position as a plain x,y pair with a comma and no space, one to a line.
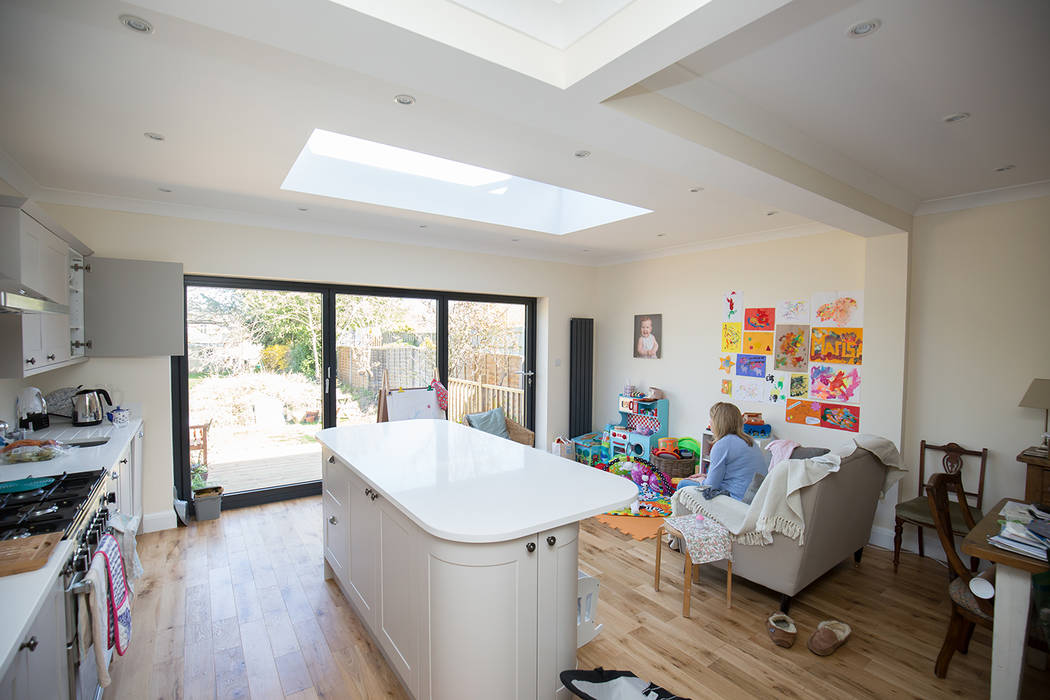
642,423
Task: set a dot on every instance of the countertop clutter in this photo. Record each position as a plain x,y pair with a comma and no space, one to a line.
24,594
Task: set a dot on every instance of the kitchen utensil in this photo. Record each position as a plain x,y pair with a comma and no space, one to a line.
88,442
20,485
27,553
31,409
87,406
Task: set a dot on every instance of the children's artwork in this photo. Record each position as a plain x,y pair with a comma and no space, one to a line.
731,306
731,336
840,417
803,412
750,389
726,364
792,347
727,387
834,383
839,345
751,366
799,386
777,387
793,311
842,309
759,319
757,343
648,328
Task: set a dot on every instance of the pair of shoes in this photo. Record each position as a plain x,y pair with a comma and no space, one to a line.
672,543
830,634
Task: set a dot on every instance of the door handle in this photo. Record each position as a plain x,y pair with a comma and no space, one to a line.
551,540
332,520
115,474
530,547
31,645
331,459
368,492
51,356
124,461
31,361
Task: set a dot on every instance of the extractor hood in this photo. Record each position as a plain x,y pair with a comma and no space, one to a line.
20,303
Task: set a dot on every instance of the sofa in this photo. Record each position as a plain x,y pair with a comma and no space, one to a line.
838,512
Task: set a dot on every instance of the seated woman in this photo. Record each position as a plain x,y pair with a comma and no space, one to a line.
735,456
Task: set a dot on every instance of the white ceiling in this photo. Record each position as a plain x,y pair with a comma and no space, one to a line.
237,87
879,101
557,23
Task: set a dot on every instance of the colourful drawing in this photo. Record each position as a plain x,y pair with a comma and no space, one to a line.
731,337
844,309
834,383
777,388
793,311
840,345
757,343
803,412
799,386
759,319
730,306
727,387
840,417
726,364
750,389
792,347
751,366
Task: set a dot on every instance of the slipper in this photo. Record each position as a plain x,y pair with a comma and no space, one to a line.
830,635
782,630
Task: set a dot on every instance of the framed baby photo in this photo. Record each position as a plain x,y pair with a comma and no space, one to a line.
648,336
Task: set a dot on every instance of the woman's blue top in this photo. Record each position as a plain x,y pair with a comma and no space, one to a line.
733,464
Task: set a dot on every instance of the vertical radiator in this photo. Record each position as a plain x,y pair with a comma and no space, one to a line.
581,374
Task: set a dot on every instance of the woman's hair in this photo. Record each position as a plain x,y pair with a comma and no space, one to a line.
726,420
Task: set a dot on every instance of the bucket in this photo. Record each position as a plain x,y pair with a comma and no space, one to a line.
208,502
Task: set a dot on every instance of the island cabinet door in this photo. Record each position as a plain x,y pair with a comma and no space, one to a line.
336,516
362,582
400,591
557,578
480,620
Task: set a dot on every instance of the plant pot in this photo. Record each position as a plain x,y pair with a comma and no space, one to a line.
207,502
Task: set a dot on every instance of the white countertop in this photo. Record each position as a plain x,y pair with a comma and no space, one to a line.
23,594
464,485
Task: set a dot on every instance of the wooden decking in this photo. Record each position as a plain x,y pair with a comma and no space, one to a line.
263,472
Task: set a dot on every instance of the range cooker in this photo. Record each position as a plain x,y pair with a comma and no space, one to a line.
76,505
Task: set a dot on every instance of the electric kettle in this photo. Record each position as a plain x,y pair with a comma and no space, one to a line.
87,406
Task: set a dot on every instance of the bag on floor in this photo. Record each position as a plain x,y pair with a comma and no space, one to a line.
600,684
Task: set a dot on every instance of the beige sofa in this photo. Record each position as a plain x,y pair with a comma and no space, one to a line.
838,512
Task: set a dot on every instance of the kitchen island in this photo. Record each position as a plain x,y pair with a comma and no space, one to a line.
458,550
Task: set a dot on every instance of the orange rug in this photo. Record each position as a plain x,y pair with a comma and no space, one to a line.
638,528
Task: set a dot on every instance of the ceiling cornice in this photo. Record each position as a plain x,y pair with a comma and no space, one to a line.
985,198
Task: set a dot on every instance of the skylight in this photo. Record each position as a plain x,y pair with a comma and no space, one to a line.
345,167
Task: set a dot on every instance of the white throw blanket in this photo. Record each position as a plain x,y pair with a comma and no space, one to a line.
777,507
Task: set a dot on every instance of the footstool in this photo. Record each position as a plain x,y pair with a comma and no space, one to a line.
702,542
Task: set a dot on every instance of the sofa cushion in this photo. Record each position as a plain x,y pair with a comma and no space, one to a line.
494,422
917,511
752,488
808,452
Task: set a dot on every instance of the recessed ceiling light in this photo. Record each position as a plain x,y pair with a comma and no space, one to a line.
164,189
582,154
956,117
136,24
660,235
153,135
303,209
863,29
771,213
1004,168
696,189
514,240
422,226
404,99
586,250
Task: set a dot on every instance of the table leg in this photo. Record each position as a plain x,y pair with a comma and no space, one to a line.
659,550
1013,590
729,584
687,586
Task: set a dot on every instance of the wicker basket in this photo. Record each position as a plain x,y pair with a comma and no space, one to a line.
675,468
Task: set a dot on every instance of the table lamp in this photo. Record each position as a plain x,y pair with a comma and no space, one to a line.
1038,396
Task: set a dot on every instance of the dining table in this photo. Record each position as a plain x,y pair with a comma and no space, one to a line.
1013,594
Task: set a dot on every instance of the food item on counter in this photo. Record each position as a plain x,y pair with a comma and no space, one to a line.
32,451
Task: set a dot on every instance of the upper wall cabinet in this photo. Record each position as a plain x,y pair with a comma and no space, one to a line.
32,258
133,308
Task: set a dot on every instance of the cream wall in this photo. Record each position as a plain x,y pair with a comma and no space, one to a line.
978,333
224,249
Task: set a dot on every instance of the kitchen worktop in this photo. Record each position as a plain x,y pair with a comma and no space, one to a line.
23,594
464,485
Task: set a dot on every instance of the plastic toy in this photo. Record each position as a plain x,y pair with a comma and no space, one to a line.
760,431
691,444
643,423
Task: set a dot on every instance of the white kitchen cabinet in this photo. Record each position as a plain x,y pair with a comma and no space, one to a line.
126,478
363,537
32,256
39,669
336,517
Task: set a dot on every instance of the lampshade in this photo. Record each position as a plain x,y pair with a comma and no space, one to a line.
1038,394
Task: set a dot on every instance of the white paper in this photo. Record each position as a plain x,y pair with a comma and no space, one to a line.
750,389
732,307
1017,512
793,311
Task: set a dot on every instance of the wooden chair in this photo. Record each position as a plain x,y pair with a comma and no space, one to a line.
917,510
967,609
520,434
199,441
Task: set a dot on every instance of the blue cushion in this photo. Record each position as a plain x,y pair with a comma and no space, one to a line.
494,421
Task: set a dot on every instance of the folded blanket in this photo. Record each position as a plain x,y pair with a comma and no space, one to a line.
777,507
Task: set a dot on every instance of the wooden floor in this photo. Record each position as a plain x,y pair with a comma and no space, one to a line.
238,608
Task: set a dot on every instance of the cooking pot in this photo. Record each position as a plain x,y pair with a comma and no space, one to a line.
87,406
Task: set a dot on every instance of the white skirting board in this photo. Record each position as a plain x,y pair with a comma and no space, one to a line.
164,520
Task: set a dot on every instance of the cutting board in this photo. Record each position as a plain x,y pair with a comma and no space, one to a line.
27,554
